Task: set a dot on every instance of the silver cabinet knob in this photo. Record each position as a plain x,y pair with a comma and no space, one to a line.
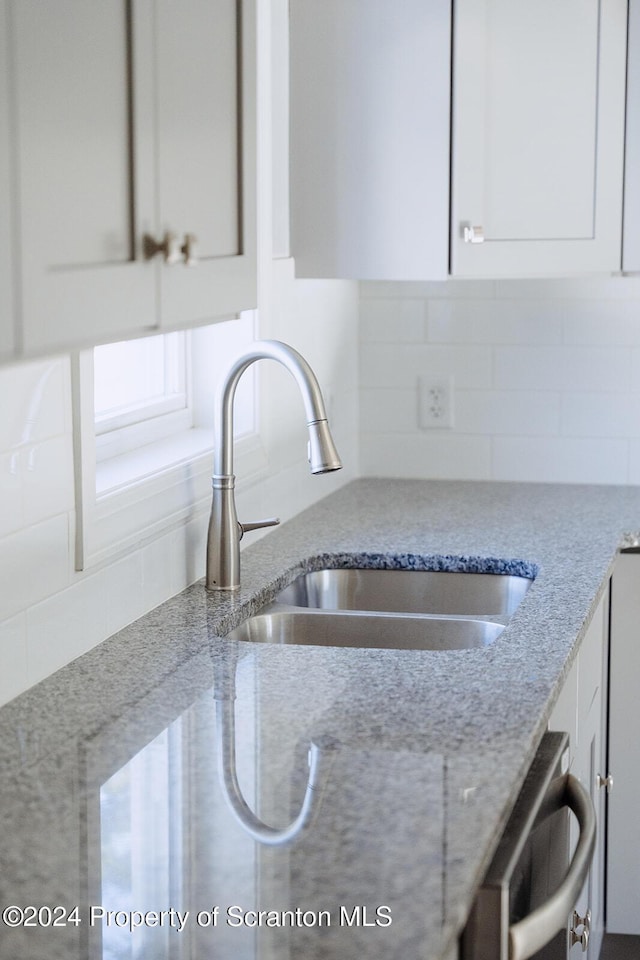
189,250
472,234
173,251
580,930
605,781
169,247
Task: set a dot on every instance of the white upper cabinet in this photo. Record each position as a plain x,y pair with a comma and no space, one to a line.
532,147
129,122
538,137
370,104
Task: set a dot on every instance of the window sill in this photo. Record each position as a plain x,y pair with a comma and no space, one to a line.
151,461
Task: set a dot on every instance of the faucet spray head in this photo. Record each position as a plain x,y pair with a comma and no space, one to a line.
322,453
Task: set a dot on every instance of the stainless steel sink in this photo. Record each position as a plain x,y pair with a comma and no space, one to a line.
374,630
408,591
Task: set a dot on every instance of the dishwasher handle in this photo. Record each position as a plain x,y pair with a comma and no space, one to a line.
533,932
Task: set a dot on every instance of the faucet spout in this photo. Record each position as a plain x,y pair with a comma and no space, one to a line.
223,542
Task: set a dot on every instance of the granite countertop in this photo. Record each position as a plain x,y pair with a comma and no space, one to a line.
110,796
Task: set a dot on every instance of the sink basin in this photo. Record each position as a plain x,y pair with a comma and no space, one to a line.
377,631
408,591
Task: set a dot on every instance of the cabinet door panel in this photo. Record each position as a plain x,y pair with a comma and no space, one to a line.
581,709
623,835
548,195
198,122
370,125
75,156
538,135
206,107
565,712
631,219
73,131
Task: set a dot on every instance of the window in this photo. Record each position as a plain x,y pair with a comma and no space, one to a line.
143,433
141,392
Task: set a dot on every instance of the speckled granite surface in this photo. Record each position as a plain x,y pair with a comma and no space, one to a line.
419,755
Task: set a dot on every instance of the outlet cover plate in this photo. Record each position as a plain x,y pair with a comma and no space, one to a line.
435,402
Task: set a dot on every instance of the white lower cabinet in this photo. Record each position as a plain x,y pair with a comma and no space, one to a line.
581,711
623,847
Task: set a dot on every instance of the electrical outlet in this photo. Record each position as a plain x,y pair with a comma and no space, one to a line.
435,402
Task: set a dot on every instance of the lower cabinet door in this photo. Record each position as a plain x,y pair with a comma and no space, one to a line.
623,822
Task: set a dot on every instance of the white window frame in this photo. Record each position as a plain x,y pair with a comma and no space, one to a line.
131,499
148,421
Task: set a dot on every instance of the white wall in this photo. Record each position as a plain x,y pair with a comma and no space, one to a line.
546,384
49,614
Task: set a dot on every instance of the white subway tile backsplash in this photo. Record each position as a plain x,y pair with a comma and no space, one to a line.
562,368
634,462
34,564
47,478
389,411
65,626
11,502
393,366
122,586
433,456
601,415
489,412
13,658
560,460
427,290
634,354
553,386
33,400
393,321
602,323
161,561
570,288
494,321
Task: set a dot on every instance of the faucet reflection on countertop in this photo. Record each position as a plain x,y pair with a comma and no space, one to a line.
225,532
320,759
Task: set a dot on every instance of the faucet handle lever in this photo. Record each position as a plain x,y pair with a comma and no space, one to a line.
257,524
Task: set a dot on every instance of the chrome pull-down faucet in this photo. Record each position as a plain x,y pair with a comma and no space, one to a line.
225,532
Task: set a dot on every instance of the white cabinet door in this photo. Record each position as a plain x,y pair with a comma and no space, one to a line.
205,64
623,848
370,119
590,766
82,279
565,713
131,119
538,136
581,711
631,219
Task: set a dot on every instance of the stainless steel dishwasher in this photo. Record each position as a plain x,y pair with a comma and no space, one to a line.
522,908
